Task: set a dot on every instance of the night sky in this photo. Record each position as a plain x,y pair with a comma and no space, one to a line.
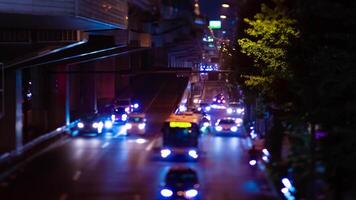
210,8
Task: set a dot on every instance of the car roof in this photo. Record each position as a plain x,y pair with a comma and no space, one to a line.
139,115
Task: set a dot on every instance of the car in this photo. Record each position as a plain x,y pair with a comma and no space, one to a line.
235,108
219,102
119,115
123,103
180,183
204,107
228,126
136,123
91,124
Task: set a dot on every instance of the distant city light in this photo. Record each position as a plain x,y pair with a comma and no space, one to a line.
223,17
196,5
225,5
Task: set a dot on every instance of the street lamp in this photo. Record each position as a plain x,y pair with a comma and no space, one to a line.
223,17
225,5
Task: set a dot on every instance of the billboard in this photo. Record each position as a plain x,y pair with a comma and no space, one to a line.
215,24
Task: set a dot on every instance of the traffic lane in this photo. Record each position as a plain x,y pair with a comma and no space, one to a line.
64,165
225,172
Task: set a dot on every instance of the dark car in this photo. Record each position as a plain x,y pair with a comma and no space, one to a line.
180,183
119,115
89,125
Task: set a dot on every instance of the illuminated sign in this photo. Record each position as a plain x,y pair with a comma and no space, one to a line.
180,124
215,24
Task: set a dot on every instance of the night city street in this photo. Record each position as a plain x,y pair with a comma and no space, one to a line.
177,100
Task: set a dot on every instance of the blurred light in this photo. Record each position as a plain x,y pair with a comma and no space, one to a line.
141,126
128,126
166,193
215,24
58,129
124,117
284,190
238,120
225,5
196,101
229,110
233,129
193,154
191,193
218,128
196,5
223,17
182,108
127,110
206,124
240,110
140,141
286,183
136,105
208,108
113,117
80,125
108,124
265,151
265,158
253,162
165,153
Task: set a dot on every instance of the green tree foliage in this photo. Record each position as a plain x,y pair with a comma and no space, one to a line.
269,36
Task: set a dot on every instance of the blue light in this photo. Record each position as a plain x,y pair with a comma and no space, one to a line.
166,192
108,124
191,193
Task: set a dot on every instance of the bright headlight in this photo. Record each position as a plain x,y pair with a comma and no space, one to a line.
108,124
229,110
233,129
80,125
95,125
208,108
193,154
124,117
166,192
218,128
141,126
206,124
165,153
191,193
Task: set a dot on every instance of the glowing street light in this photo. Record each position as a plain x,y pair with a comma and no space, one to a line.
225,5
223,17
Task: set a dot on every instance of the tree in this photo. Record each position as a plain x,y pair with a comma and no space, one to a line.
269,37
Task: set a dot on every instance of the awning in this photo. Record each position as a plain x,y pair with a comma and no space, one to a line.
81,52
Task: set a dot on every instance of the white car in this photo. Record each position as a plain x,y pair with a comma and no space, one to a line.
136,123
228,126
235,108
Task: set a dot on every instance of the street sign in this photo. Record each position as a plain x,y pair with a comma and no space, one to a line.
215,24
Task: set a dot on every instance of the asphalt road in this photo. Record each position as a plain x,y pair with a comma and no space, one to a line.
125,168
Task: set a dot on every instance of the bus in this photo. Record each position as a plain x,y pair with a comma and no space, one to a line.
180,137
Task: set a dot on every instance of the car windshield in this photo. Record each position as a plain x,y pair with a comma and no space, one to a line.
181,177
136,119
227,121
119,110
122,102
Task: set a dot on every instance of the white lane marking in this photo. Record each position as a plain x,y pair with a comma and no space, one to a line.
106,144
63,196
150,145
77,175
